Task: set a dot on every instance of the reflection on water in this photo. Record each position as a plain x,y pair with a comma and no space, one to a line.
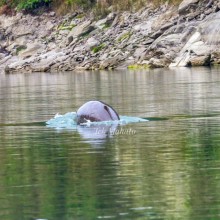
167,169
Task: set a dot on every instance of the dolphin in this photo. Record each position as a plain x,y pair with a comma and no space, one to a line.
95,111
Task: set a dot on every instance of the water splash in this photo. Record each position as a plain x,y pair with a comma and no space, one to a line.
68,121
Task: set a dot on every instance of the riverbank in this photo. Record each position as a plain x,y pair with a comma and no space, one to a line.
167,36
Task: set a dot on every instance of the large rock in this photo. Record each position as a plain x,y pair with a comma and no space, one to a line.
144,27
157,63
200,60
201,44
186,5
182,60
216,57
200,48
101,23
91,42
139,52
80,29
32,49
111,62
41,63
210,29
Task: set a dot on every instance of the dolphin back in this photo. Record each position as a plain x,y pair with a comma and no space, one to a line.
96,111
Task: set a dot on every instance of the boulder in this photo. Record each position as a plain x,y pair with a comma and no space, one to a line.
3,59
110,62
185,6
200,48
200,60
216,57
139,52
32,49
193,39
101,23
157,63
91,42
210,29
80,29
182,60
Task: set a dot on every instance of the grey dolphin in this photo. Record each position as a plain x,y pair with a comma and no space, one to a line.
96,111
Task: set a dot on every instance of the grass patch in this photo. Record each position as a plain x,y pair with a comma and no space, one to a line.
98,48
68,27
106,26
20,48
79,16
124,36
138,66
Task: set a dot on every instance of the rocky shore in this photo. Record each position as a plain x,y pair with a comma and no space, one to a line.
167,36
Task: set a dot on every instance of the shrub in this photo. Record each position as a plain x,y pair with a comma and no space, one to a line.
24,4
32,4
20,48
100,7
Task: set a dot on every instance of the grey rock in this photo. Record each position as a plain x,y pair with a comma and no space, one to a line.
200,60
148,41
49,25
52,14
80,29
110,62
200,48
156,34
156,63
91,42
70,39
167,26
186,5
215,59
209,4
193,15
207,12
115,21
101,23
64,32
139,52
32,49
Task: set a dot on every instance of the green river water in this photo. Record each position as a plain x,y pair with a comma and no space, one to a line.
168,168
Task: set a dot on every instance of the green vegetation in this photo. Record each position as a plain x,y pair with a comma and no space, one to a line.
20,48
124,36
98,48
63,6
25,4
32,4
139,66
68,27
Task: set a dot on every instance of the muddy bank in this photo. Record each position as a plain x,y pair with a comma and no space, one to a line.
188,35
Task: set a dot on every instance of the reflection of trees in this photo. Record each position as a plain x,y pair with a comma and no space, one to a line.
32,97
168,170
52,174
205,177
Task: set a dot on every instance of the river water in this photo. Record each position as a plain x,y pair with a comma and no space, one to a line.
165,168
